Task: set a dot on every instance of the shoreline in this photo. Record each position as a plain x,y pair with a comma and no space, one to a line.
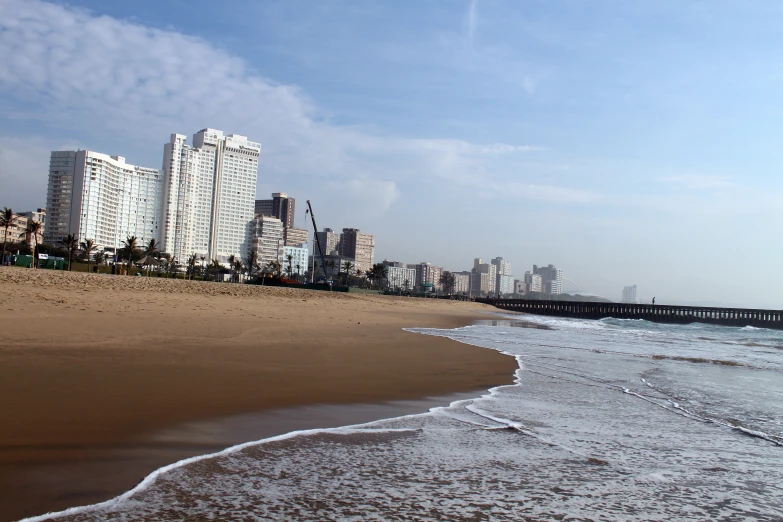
111,360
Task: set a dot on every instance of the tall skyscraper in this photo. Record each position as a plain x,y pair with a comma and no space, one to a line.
629,294
504,281
359,246
280,206
101,197
209,193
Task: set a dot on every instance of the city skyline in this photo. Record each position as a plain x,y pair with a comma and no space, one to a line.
642,169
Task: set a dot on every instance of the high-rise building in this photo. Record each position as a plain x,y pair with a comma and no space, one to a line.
297,265
268,240
551,279
329,241
427,274
101,197
533,283
505,284
209,191
502,274
399,276
280,206
264,207
487,285
295,236
462,282
629,294
358,246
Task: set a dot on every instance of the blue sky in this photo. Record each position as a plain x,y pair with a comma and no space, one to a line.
625,142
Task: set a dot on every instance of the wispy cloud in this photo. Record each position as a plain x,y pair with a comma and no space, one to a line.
471,20
697,181
92,75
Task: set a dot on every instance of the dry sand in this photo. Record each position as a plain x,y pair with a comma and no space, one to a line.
92,367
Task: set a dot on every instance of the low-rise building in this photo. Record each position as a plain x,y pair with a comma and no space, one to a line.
400,277
297,264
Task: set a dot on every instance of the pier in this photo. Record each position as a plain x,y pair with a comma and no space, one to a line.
654,313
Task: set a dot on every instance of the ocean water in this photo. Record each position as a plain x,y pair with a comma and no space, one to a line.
608,420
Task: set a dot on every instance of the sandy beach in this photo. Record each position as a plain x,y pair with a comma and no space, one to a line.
94,368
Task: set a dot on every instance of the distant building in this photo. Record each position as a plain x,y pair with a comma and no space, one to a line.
519,286
533,283
505,284
358,246
427,275
462,283
295,236
629,294
484,285
280,206
100,197
17,232
329,241
299,259
551,279
334,264
399,276
268,240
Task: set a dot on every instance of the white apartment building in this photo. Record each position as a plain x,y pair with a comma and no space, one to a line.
298,261
400,278
505,284
101,197
268,240
629,294
209,195
462,282
533,283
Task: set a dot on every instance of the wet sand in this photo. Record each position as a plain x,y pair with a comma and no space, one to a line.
95,370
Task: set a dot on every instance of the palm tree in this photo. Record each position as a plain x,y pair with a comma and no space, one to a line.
379,272
71,243
347,267
237,268
191,265
99,257
151,250
88,246
407,285
7,218
331,264
360,275
447,280
171,266
231,261
214,267
33,229
275,267
129,245
299,273
290,259
251,263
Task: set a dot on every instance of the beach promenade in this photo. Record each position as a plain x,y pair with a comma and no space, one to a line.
93,367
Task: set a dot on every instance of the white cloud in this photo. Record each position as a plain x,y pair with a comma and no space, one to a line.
95,75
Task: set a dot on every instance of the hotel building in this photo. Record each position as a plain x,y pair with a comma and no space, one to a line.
209,195
101,197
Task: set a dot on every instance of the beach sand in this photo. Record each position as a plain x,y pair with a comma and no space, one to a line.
95,370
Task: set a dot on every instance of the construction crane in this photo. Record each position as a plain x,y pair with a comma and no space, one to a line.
318,242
